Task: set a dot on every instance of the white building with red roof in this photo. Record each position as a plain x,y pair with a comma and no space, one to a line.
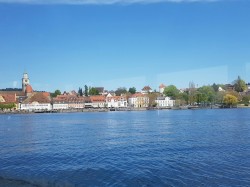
116,101
98,101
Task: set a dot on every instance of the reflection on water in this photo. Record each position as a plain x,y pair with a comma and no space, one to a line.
151,148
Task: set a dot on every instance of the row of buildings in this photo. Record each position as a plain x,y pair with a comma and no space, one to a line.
29,100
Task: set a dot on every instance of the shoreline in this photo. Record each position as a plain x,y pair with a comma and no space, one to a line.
116,110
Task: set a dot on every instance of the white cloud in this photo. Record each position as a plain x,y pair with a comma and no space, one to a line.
99,2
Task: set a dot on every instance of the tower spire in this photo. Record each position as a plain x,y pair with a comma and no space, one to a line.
25,81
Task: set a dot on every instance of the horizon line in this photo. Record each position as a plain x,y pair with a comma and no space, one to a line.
100,2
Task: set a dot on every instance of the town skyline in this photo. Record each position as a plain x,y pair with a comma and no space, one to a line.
124,44
154,88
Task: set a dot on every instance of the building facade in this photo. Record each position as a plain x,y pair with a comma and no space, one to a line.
116,101
98,101
68,101
164,102
138,100
38,101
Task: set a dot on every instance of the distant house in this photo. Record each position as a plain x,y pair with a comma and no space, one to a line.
161,88
116,101
146,90
76,102
98,101
164,102
87,102
9,99
248,87
63,102
220,89
138,100
229,87
73,93
37,101
60,102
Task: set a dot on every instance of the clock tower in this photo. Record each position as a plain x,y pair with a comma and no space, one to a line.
25,81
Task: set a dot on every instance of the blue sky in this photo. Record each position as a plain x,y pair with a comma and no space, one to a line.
67,44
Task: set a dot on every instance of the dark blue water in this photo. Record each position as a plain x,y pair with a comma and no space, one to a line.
152,148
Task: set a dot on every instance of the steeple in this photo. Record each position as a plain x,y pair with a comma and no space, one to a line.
25,81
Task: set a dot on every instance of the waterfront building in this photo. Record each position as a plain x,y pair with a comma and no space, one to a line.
76,102
38,101
164,102
138,100
116,101
98,101
66,101
60,103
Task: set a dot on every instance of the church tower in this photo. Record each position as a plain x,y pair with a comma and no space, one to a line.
25,81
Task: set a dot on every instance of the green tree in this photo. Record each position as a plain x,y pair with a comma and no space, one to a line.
93,91
86,91
207,94
219,97
7,106
56,93
215,87
121,90
152,97
245,100
182,98
230,100
132,90
192,93
171,91
239,85
80,93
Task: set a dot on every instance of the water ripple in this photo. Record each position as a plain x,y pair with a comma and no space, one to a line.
165,148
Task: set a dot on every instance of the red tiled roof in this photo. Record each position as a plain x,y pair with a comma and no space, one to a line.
9,98
162,86
97,98
137,95
18,93
46,94
39,97
68,98
29,89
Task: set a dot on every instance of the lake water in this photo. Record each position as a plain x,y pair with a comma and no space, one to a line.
151,148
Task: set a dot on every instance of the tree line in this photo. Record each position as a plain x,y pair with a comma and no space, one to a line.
214,94
203,96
